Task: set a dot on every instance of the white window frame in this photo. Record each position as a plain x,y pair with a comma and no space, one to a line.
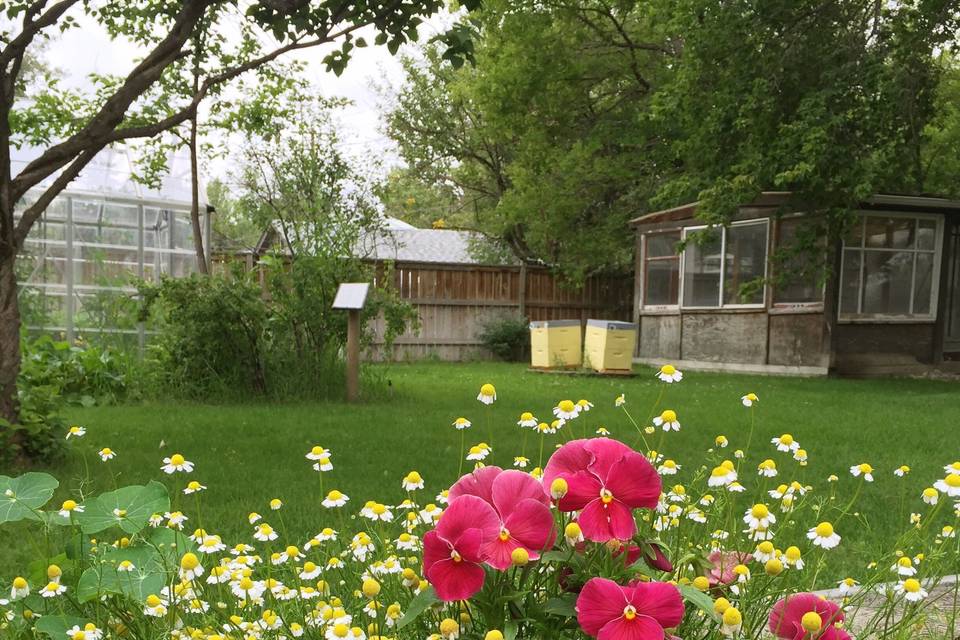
723,265
934,286
646,283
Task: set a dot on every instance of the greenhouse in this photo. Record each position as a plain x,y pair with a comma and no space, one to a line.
80,264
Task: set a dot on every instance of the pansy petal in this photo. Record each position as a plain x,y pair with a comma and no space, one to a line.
639,628
601,522
455,580
567,460
510,487
531,524
435,549
497,553
477,483
634,481
659,600
468,512
470,543
582,487
606,453
600,601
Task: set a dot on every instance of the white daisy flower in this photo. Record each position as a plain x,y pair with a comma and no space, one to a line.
824,536
76,431
785,443
106,454
767,468
864,470
68,507
53,589
488,394
462,423
668,373
527,420
317,452
847,586
667,420
193,487
904,567
264,532
412,481
668,468
566,410
175,463
335,499
911,590
949,485
749,399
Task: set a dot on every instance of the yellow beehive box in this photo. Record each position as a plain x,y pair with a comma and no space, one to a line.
555,344
609,345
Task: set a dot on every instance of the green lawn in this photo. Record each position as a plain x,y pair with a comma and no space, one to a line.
249,453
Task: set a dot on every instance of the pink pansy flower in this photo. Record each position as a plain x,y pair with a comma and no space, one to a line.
723,563
606,480
608,611
522,509
787,618
452,552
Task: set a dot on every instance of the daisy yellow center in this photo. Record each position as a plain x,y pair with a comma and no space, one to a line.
605,496
75,429
824,530
52,586
752,397
792,553
765,547
19,583
669,416
317,451
334,495
930,492
953,480
106,451
811,621
732,617
629,612
488,390
912,585
567,406
379,509
78,635
759,511
905,562
719,471
865,468
786,439
526,415
177,459
190,561
246,584
668,369
193,486
69,505
728,465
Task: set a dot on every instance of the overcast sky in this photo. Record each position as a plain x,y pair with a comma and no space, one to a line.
88,49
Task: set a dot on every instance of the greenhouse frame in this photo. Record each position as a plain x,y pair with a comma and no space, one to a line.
81,262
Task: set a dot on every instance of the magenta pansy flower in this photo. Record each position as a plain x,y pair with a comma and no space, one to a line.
606,481
788,617
609,611
452,552
522,509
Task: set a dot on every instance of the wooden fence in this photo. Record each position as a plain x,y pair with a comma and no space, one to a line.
454,302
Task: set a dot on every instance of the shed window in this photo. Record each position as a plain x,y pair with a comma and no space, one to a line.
661,269
801,275
735,280
889,262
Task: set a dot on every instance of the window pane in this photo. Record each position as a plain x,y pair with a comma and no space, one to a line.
922,283
926,235
890,233
887,277
800,273
663,282
661,245
850,281
745,264
701,273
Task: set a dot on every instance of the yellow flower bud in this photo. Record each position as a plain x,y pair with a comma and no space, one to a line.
520,557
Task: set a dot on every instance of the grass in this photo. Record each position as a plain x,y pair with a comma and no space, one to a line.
247,454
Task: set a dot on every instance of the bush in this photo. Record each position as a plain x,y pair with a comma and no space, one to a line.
507,337
229,337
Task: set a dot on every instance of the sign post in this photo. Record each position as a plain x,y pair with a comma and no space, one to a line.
352,296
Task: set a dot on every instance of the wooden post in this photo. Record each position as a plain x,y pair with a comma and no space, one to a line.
353,355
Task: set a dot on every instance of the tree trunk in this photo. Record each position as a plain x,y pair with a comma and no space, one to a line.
9,337
195,200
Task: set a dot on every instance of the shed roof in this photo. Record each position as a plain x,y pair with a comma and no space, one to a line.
450,246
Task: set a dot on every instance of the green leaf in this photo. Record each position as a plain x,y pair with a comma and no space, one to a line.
424,600
510,630
698,598
148,576
20,497
562,606
56,626
129,508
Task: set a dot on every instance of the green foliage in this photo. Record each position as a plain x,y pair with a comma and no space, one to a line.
507,337
22,497
82,373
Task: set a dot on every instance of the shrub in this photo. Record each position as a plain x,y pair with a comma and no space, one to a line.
507,337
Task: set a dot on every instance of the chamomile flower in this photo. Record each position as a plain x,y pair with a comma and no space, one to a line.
723,475
175,519
310,571
462,423
669,373
68,507
721,441
488,394
19,588
953,467
412,481
53,589
793,558
335,499
527,420
767,468
949,485
264,532
800,455
667,420
478,453
407,542
175,463
764,551
154,606
948,532
911,590
668,468
326,534
317,452
901,471
824,536
904,567
521,462
603,432
862,469
785,443
847,586
749,400
620,401
211,544
930,495
193,487
190,567
566,410
276,504
323,464
759,517
88,632
106,454
377,512
584,405
76,431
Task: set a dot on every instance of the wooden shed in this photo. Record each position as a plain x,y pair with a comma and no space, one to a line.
890,305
